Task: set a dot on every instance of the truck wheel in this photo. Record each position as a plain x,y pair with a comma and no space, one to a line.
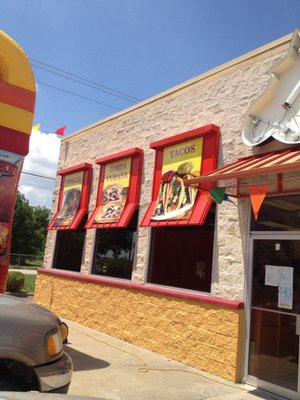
9,382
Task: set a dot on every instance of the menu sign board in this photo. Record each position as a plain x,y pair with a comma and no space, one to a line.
180,161
71,198
115,191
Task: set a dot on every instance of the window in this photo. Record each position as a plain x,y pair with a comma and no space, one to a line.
182,256
69,249
280,213
114,250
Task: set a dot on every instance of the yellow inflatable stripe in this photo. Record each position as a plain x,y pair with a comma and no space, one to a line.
15,67
16,118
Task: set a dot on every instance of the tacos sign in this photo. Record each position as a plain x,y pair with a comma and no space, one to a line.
180,161
115,191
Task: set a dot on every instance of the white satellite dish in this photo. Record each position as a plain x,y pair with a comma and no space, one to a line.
276,114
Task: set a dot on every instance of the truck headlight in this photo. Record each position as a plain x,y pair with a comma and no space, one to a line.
54,344
64,330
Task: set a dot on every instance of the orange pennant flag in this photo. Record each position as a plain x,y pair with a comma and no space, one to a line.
257,196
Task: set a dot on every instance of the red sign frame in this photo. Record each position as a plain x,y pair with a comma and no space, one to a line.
136,156
84,198
210,134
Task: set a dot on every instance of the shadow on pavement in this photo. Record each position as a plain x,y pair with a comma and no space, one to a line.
84,362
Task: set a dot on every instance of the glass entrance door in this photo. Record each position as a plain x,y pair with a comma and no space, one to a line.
275,314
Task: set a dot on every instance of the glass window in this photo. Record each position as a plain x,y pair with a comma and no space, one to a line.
280,213
181,256
69,249
114,250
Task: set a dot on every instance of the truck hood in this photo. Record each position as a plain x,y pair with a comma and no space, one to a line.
24,326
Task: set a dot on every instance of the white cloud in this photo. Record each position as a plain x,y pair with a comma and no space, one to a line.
41,160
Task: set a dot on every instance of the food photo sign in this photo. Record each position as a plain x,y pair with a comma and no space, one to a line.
72,189
73,197
118,189
115,190
179,159
182,161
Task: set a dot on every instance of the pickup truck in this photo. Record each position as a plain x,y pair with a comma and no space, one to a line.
31,348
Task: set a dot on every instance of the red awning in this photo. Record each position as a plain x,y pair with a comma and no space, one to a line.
259,165
116,209
73,197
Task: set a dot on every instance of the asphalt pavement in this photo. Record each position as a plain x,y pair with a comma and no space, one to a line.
109,368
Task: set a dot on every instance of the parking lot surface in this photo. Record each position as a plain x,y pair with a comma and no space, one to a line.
109,368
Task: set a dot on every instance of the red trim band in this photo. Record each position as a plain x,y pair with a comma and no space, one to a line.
182,137
118,156
233,304
73,169
14,141
17,96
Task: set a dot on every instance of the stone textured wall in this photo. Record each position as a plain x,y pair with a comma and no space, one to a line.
222,98
204,336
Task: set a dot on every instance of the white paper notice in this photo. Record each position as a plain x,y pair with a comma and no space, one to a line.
286,275
285,297
272,275
285,290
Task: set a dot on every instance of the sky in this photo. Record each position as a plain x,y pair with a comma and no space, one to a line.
93,58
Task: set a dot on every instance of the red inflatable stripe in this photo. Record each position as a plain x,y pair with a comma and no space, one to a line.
17,96
14,141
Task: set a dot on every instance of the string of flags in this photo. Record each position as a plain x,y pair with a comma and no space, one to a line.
257,196
59,131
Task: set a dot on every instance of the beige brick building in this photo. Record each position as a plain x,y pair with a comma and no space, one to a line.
136,282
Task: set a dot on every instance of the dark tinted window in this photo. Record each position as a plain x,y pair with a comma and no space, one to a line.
281,213
68,250
114,251
182,257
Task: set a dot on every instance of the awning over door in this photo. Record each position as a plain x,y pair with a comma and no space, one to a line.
280,170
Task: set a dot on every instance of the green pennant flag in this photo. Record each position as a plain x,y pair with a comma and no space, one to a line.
217,194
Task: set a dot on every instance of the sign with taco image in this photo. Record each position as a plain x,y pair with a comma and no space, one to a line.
180,161
115,191
71,198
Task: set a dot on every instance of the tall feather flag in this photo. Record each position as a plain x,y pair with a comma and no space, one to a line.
61,130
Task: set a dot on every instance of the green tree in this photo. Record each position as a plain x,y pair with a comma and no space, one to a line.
29,227
40,223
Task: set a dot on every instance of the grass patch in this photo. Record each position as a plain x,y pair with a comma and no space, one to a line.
29,283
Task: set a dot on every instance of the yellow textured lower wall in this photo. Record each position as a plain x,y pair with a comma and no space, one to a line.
205,336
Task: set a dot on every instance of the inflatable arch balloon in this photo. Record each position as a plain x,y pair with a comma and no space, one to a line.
17,100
